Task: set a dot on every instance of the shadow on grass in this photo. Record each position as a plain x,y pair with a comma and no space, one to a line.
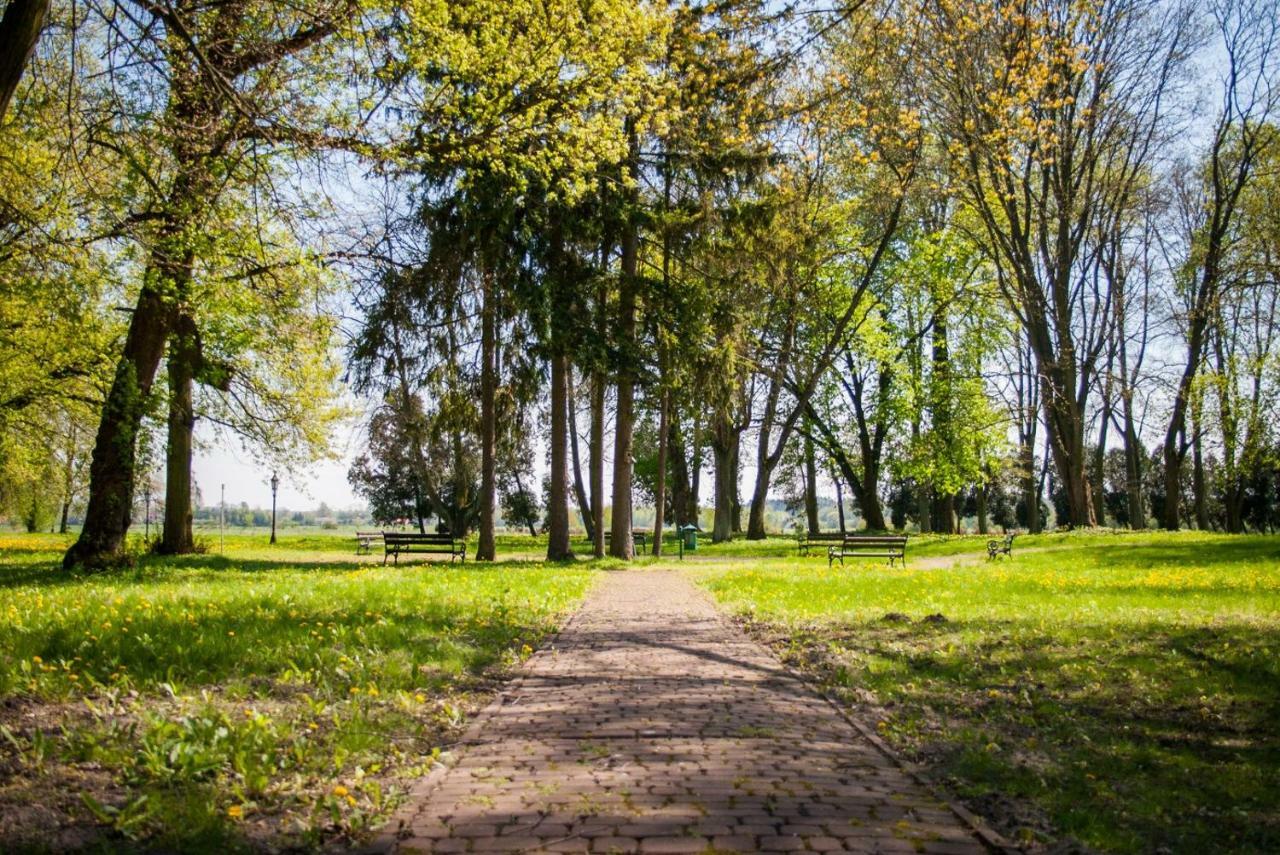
1134,738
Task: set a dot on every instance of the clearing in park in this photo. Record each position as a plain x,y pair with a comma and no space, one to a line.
1116,690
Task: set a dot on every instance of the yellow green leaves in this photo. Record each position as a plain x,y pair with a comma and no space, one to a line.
530,91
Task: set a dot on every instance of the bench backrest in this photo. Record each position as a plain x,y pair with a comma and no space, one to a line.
414,537
368,534
875,540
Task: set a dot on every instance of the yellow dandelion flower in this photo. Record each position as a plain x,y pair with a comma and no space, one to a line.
340,791
235,812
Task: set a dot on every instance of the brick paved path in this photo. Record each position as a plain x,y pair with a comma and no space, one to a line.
653,725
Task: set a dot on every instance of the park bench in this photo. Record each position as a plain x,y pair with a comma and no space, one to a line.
365,541
639,540
892,547
395,542
995,547
805,540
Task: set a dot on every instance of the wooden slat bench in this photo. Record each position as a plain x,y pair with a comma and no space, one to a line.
805,540
365,541
893,547
639,540
996,547
396,542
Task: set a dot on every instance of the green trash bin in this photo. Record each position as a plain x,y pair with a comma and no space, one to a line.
690,536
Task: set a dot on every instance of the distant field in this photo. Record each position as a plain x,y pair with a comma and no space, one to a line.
1121,689
269,696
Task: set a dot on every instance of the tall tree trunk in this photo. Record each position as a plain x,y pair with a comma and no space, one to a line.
839,501
1133,461
486,548
1198,494
1030,485
184,356
692,512
981,502
810,485
558,548
597,465
580,492
111,469
726,480
924,507
19,31
679,467
620,545
735,467
68,475
1099,463
660,483
1065,430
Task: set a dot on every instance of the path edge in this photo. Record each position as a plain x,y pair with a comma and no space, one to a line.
988,836
388,834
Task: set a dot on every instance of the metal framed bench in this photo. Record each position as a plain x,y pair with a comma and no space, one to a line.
893,547
396,542
996,547
805,540
639,540
365,541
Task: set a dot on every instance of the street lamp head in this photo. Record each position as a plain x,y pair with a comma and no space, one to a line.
275,481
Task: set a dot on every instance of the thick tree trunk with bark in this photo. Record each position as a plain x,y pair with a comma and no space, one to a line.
184,358
679,468
111,469
558,548
19,31
726,479
486,547
1030,485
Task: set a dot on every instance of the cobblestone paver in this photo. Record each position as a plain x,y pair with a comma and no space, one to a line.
653,725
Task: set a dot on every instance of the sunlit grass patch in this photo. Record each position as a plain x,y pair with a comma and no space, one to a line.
233,701
1121,689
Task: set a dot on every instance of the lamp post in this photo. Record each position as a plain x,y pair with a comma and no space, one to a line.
147,525
275,485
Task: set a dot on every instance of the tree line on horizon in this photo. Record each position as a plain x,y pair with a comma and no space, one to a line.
955,258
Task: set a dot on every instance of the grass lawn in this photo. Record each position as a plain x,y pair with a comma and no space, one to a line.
1119,689
267,697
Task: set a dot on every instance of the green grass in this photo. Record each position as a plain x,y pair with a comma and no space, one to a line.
1119,689
269,696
